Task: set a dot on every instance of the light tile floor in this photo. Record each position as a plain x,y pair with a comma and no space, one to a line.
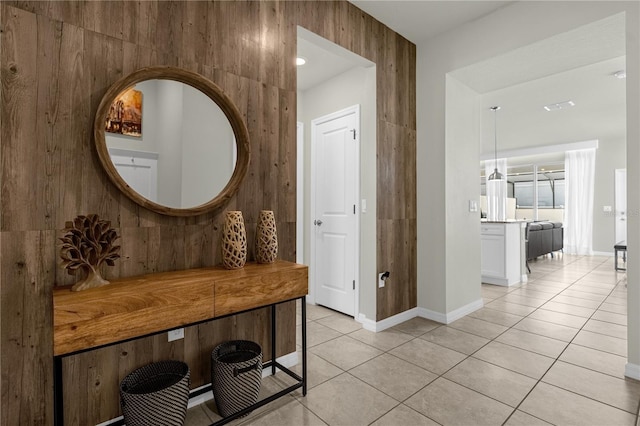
551,351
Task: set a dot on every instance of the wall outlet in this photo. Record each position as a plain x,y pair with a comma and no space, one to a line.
606,209
176,334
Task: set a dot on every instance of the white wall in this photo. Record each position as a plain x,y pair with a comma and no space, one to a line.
508,28
169,130
611,155
633,195
356,86
462,129
208,149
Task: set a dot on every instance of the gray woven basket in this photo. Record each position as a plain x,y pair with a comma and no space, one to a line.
156,394
236,375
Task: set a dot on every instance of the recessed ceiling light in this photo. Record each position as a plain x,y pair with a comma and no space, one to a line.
300,61
559,105
620,74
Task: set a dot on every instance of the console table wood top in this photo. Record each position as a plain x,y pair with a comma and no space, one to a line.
137,306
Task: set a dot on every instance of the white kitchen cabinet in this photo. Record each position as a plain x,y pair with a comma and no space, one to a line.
502,245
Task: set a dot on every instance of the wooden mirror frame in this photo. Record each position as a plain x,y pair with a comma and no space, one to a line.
216,95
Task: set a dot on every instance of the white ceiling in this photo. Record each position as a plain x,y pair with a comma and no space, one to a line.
324,59
419,20
415,20
586,45
576,65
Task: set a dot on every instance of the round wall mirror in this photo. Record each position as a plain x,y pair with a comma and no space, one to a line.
172,141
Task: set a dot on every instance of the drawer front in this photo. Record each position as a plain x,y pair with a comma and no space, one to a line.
237,294
491,229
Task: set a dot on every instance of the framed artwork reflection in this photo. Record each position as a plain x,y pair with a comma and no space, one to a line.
125,114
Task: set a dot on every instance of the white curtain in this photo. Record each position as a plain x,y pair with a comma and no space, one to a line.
496,190
579,171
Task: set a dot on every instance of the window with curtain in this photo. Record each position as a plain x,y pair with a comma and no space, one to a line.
578,213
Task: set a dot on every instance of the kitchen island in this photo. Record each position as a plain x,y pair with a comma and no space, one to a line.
503,253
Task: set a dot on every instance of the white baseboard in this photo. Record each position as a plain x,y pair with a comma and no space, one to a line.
432,315
288,360
632,371
450,317
394,320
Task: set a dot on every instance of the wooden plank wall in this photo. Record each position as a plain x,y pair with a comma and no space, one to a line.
56,61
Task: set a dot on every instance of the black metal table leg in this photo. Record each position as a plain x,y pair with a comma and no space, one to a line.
58,405
273,339
304,345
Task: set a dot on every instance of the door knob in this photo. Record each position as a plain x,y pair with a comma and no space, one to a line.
317,222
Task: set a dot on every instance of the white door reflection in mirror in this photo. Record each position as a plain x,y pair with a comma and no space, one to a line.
192,139
139,169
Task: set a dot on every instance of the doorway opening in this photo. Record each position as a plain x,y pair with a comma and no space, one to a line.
332,82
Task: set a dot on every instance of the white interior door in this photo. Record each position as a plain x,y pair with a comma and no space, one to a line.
621,204
335,182
140,173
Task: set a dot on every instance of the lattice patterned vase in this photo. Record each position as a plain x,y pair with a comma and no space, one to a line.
234,241
266,238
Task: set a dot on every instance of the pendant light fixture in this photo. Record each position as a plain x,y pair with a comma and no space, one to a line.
496,175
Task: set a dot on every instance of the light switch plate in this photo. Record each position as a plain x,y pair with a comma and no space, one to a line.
176,334
473,206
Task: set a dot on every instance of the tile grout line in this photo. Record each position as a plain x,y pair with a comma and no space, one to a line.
513,326
467,356
567,343
558,358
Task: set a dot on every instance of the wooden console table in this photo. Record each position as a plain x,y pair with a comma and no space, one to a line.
131,308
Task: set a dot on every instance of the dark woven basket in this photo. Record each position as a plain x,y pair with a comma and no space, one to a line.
236,375
156,394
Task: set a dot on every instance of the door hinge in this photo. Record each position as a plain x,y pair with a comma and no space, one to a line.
354,284
354,133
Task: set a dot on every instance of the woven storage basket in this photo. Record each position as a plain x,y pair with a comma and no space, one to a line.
156,394
236,375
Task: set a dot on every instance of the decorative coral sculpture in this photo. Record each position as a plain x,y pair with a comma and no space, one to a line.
88,244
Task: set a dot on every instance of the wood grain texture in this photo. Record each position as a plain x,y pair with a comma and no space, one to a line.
57,60
265,283
400,248
27,276
129,308
137,306
19,100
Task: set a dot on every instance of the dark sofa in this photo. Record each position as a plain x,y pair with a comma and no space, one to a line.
543,238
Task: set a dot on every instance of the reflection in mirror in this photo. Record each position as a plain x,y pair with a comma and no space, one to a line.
186,152
190,152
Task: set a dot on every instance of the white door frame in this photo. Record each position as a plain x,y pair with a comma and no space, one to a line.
620,215
314,123
300,193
